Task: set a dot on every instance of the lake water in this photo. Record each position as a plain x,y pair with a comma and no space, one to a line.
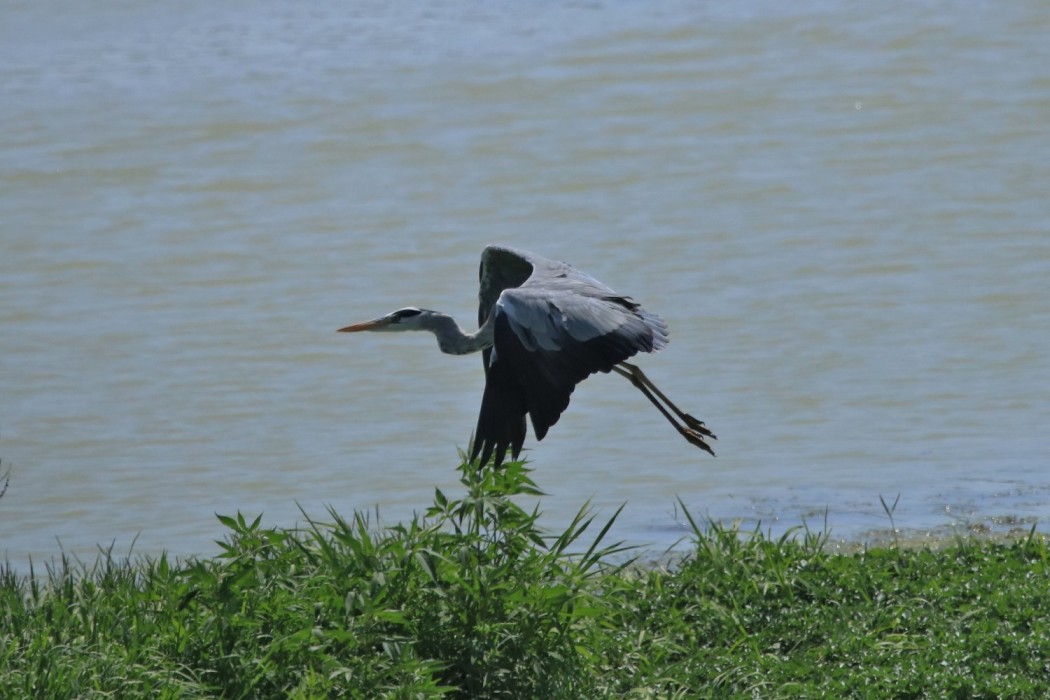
840,209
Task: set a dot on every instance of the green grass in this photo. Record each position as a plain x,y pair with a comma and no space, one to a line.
474,600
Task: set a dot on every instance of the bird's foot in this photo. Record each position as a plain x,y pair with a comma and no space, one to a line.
698,426
695,437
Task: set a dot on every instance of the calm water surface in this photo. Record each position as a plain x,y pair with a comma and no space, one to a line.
840,211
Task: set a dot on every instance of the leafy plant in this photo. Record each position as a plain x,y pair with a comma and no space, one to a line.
474,599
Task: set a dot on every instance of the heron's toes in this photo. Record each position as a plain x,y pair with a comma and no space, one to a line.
698,426
696,438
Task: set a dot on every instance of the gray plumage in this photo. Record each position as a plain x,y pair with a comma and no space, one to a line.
553,327
544,326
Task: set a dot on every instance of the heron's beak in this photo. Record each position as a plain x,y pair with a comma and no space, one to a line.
366,326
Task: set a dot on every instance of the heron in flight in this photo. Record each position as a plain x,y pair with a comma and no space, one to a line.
544,327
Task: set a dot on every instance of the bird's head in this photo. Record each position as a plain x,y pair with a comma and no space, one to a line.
407,319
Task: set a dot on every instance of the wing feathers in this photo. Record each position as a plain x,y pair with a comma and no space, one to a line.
501,423
545,343
553,327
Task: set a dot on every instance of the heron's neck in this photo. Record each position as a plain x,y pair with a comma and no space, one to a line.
451,338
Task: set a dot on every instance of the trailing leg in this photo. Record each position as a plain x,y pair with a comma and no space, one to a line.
693,430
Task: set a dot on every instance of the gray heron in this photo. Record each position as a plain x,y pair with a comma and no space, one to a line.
544,327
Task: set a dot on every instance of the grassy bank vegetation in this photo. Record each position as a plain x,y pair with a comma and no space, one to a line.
473,600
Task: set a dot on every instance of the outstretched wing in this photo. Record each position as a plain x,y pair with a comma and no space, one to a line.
551,332
501,422
501,268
